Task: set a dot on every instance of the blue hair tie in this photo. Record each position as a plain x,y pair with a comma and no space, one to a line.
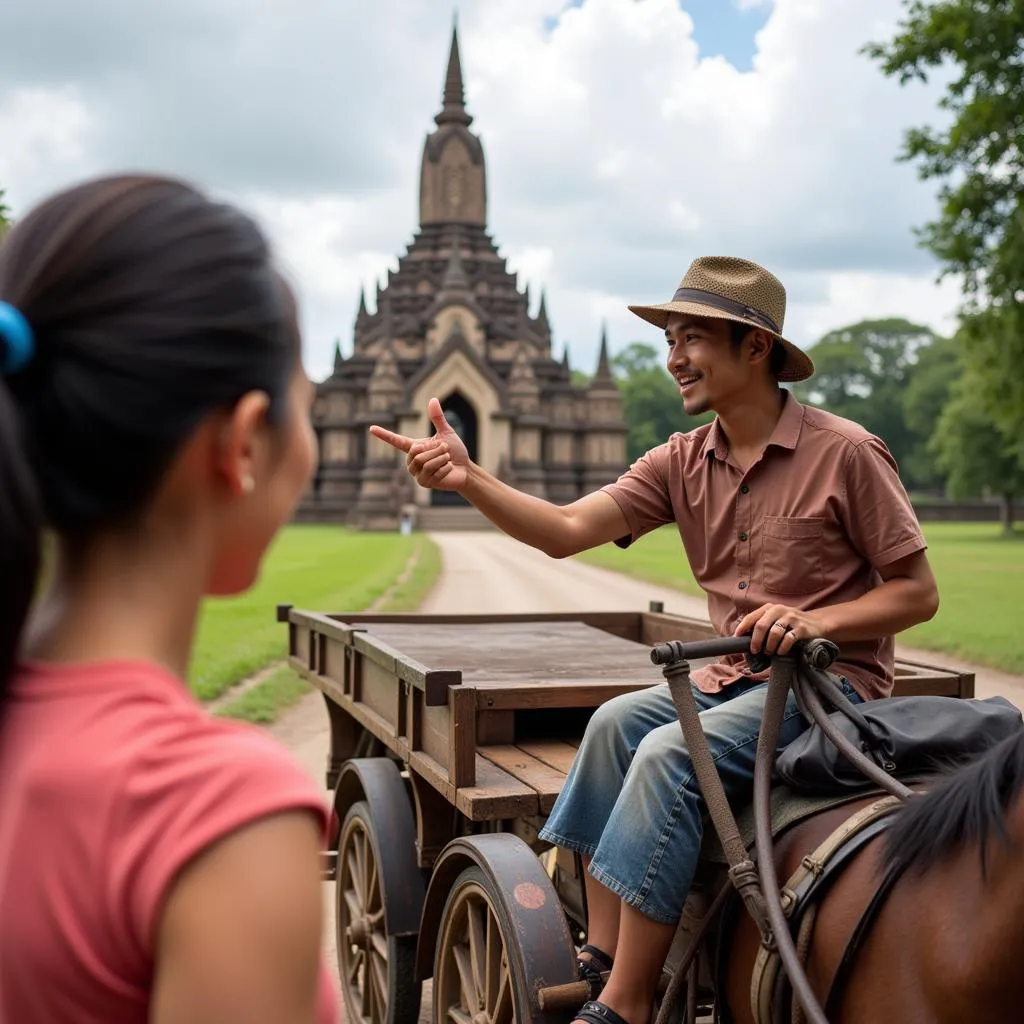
17,341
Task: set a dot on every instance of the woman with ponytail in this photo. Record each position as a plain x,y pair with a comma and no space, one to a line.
156,864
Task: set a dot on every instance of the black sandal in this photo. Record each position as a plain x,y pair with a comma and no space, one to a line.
591,970
595,1012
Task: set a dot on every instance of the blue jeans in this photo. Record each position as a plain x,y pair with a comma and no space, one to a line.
632,802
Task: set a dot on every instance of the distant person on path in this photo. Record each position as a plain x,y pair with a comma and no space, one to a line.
794,522
156,864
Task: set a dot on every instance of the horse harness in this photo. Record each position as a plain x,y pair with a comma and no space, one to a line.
779,911
801,897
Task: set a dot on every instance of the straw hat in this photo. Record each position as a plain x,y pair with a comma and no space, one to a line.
728,288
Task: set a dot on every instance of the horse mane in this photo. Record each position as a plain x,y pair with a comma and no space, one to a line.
967,805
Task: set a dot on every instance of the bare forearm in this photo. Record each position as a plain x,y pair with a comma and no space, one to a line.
557,530
529,519
889,608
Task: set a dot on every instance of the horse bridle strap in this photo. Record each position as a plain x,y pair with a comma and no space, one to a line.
815,872
856,940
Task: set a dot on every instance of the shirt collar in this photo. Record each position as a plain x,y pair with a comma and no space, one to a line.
785,435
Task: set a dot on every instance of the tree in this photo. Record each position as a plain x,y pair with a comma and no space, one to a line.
977,158
651,404
927,391
5,214
862,373
974,454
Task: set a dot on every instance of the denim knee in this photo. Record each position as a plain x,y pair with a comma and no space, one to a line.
599,770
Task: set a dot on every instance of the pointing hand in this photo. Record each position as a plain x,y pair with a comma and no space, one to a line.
440,462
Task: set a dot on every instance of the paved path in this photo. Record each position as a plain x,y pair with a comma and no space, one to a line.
488,572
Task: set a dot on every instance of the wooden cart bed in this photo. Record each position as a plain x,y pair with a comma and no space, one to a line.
489,709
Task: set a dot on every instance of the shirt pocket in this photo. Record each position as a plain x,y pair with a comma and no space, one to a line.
791,554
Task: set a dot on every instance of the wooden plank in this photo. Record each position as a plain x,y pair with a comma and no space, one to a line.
496,795
494,728
415,718
379,691
911,687
521,653
462,738
660,627
434,682
333,658
434,731
625,624
536,696
377,724
546,781
316,622
578,662
559,755
300,642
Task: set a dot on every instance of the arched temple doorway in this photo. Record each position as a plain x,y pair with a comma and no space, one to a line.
463,419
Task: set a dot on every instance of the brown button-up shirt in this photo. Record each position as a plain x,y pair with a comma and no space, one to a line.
806,525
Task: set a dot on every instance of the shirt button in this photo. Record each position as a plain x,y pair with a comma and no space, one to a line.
744,489
743,536
743,585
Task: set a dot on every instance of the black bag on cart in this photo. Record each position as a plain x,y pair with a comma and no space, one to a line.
912,736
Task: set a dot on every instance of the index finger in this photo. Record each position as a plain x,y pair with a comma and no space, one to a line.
399,441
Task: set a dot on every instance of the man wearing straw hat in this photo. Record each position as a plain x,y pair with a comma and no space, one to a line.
794,522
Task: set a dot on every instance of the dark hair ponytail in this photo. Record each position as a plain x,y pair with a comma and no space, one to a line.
150,305
20,541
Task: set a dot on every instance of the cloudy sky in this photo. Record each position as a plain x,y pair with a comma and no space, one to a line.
623,138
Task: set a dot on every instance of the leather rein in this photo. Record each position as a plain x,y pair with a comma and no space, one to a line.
804,672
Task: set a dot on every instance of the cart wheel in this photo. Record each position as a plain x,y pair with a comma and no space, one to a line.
377,970
476,981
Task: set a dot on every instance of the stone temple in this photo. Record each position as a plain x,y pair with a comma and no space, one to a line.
451,322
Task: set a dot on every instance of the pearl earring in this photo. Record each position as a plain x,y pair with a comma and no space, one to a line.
248,484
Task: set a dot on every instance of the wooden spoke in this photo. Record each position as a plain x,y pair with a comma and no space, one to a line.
363,944
473,984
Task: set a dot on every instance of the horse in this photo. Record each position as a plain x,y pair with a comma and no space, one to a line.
936,899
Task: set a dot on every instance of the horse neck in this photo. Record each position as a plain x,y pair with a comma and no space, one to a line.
976,934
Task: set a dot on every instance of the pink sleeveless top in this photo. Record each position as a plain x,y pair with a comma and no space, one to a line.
112,778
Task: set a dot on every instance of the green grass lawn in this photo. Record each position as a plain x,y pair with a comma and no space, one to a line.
981,587
324,568
283,687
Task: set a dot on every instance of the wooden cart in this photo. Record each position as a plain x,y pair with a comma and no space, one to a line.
451,737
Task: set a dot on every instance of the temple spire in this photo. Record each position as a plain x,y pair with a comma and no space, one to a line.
604,370
454,109
384,312
542,312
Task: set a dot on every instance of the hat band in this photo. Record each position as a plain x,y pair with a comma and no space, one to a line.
720,302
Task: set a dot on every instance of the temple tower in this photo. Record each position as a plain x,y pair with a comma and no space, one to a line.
451,322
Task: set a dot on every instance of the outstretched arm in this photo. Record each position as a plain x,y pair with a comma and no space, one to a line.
442,462
557,530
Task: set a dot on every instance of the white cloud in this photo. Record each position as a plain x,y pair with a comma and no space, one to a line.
47,137
616,153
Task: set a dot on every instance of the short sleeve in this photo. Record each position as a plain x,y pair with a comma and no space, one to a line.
642,493
197,781
879,517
